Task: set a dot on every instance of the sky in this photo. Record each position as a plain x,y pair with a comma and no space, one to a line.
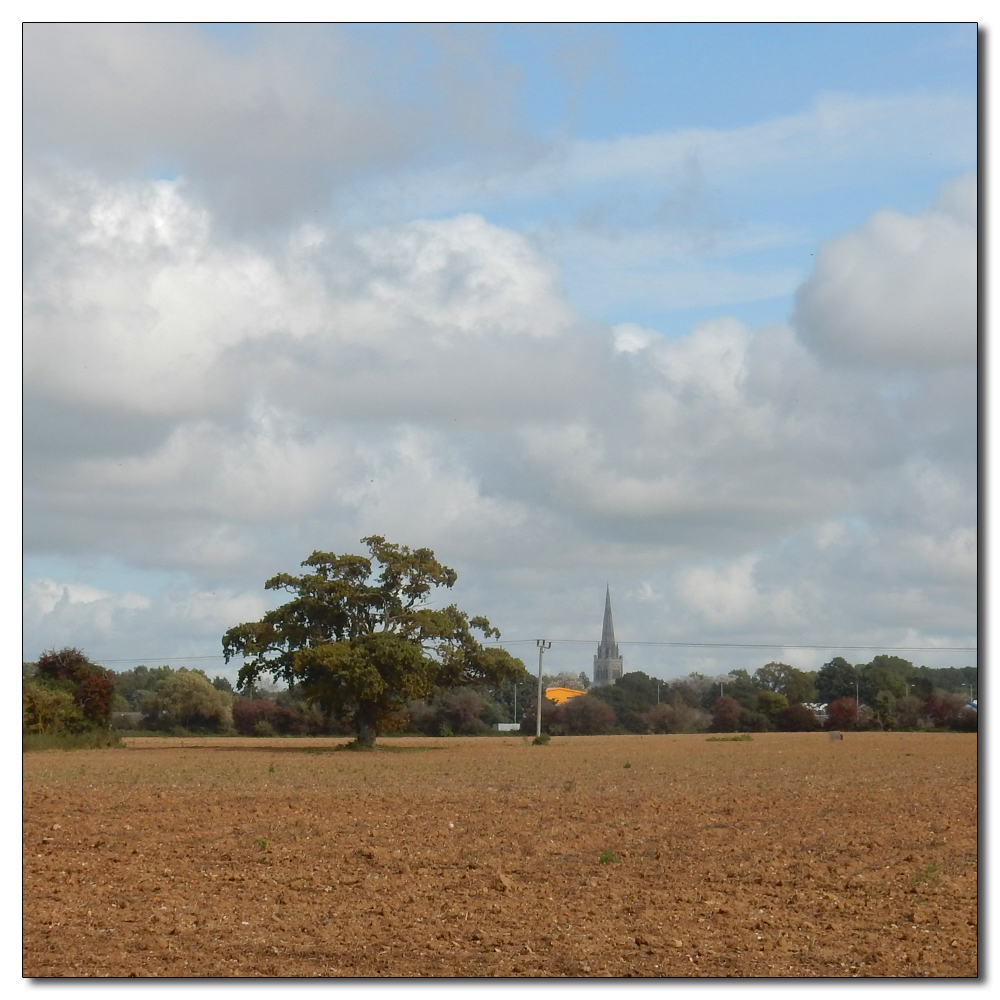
685,310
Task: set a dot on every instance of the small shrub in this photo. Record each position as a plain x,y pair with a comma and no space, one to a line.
742,738
626,764
675,717
608,858
540,741
286,719
93,740
263,728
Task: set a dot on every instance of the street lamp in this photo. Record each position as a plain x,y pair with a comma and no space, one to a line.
542,646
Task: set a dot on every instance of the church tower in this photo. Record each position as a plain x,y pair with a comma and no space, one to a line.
607,663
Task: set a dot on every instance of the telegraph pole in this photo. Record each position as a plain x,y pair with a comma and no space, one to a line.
542,646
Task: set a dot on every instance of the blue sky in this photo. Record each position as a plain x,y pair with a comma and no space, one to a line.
689,309
579,84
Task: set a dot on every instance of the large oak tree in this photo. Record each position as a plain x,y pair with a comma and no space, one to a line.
362,642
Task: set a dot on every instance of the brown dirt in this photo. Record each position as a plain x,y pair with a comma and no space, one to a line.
791,855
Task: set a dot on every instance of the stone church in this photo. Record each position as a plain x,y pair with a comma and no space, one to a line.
608,662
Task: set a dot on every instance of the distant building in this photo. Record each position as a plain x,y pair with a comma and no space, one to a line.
608,662
561,695
818,709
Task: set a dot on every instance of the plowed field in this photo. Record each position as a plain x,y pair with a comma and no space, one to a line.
789,855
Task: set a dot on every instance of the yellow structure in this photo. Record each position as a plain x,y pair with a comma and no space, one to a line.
561,695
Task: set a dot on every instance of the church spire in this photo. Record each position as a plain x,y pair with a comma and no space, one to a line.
608,662
608,647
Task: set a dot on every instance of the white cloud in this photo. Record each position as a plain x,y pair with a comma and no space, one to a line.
42,596
681,168
108,625
630,338
729,595
837,126
131,300
71,613
222,408
899,291
949,558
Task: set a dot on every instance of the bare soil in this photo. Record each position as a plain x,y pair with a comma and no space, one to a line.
788,855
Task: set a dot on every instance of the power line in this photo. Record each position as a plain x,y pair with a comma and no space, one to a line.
759,645
159,659
632,642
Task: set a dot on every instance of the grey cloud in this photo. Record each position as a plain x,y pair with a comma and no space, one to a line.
267,129
900,291
428,382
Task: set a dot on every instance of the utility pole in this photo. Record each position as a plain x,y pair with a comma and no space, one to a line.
515,701
542,646
857,703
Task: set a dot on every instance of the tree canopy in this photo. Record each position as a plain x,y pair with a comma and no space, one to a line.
836,679
796,685
363,642
188,698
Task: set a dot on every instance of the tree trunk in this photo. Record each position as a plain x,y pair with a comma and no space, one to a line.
366,733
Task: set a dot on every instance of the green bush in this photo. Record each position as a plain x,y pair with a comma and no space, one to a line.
49,707
186,699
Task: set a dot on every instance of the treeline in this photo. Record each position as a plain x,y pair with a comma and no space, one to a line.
886,693
64,692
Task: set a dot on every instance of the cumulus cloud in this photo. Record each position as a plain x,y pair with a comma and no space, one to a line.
730,595
127,625
222,408
901,290
132,301
44,596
